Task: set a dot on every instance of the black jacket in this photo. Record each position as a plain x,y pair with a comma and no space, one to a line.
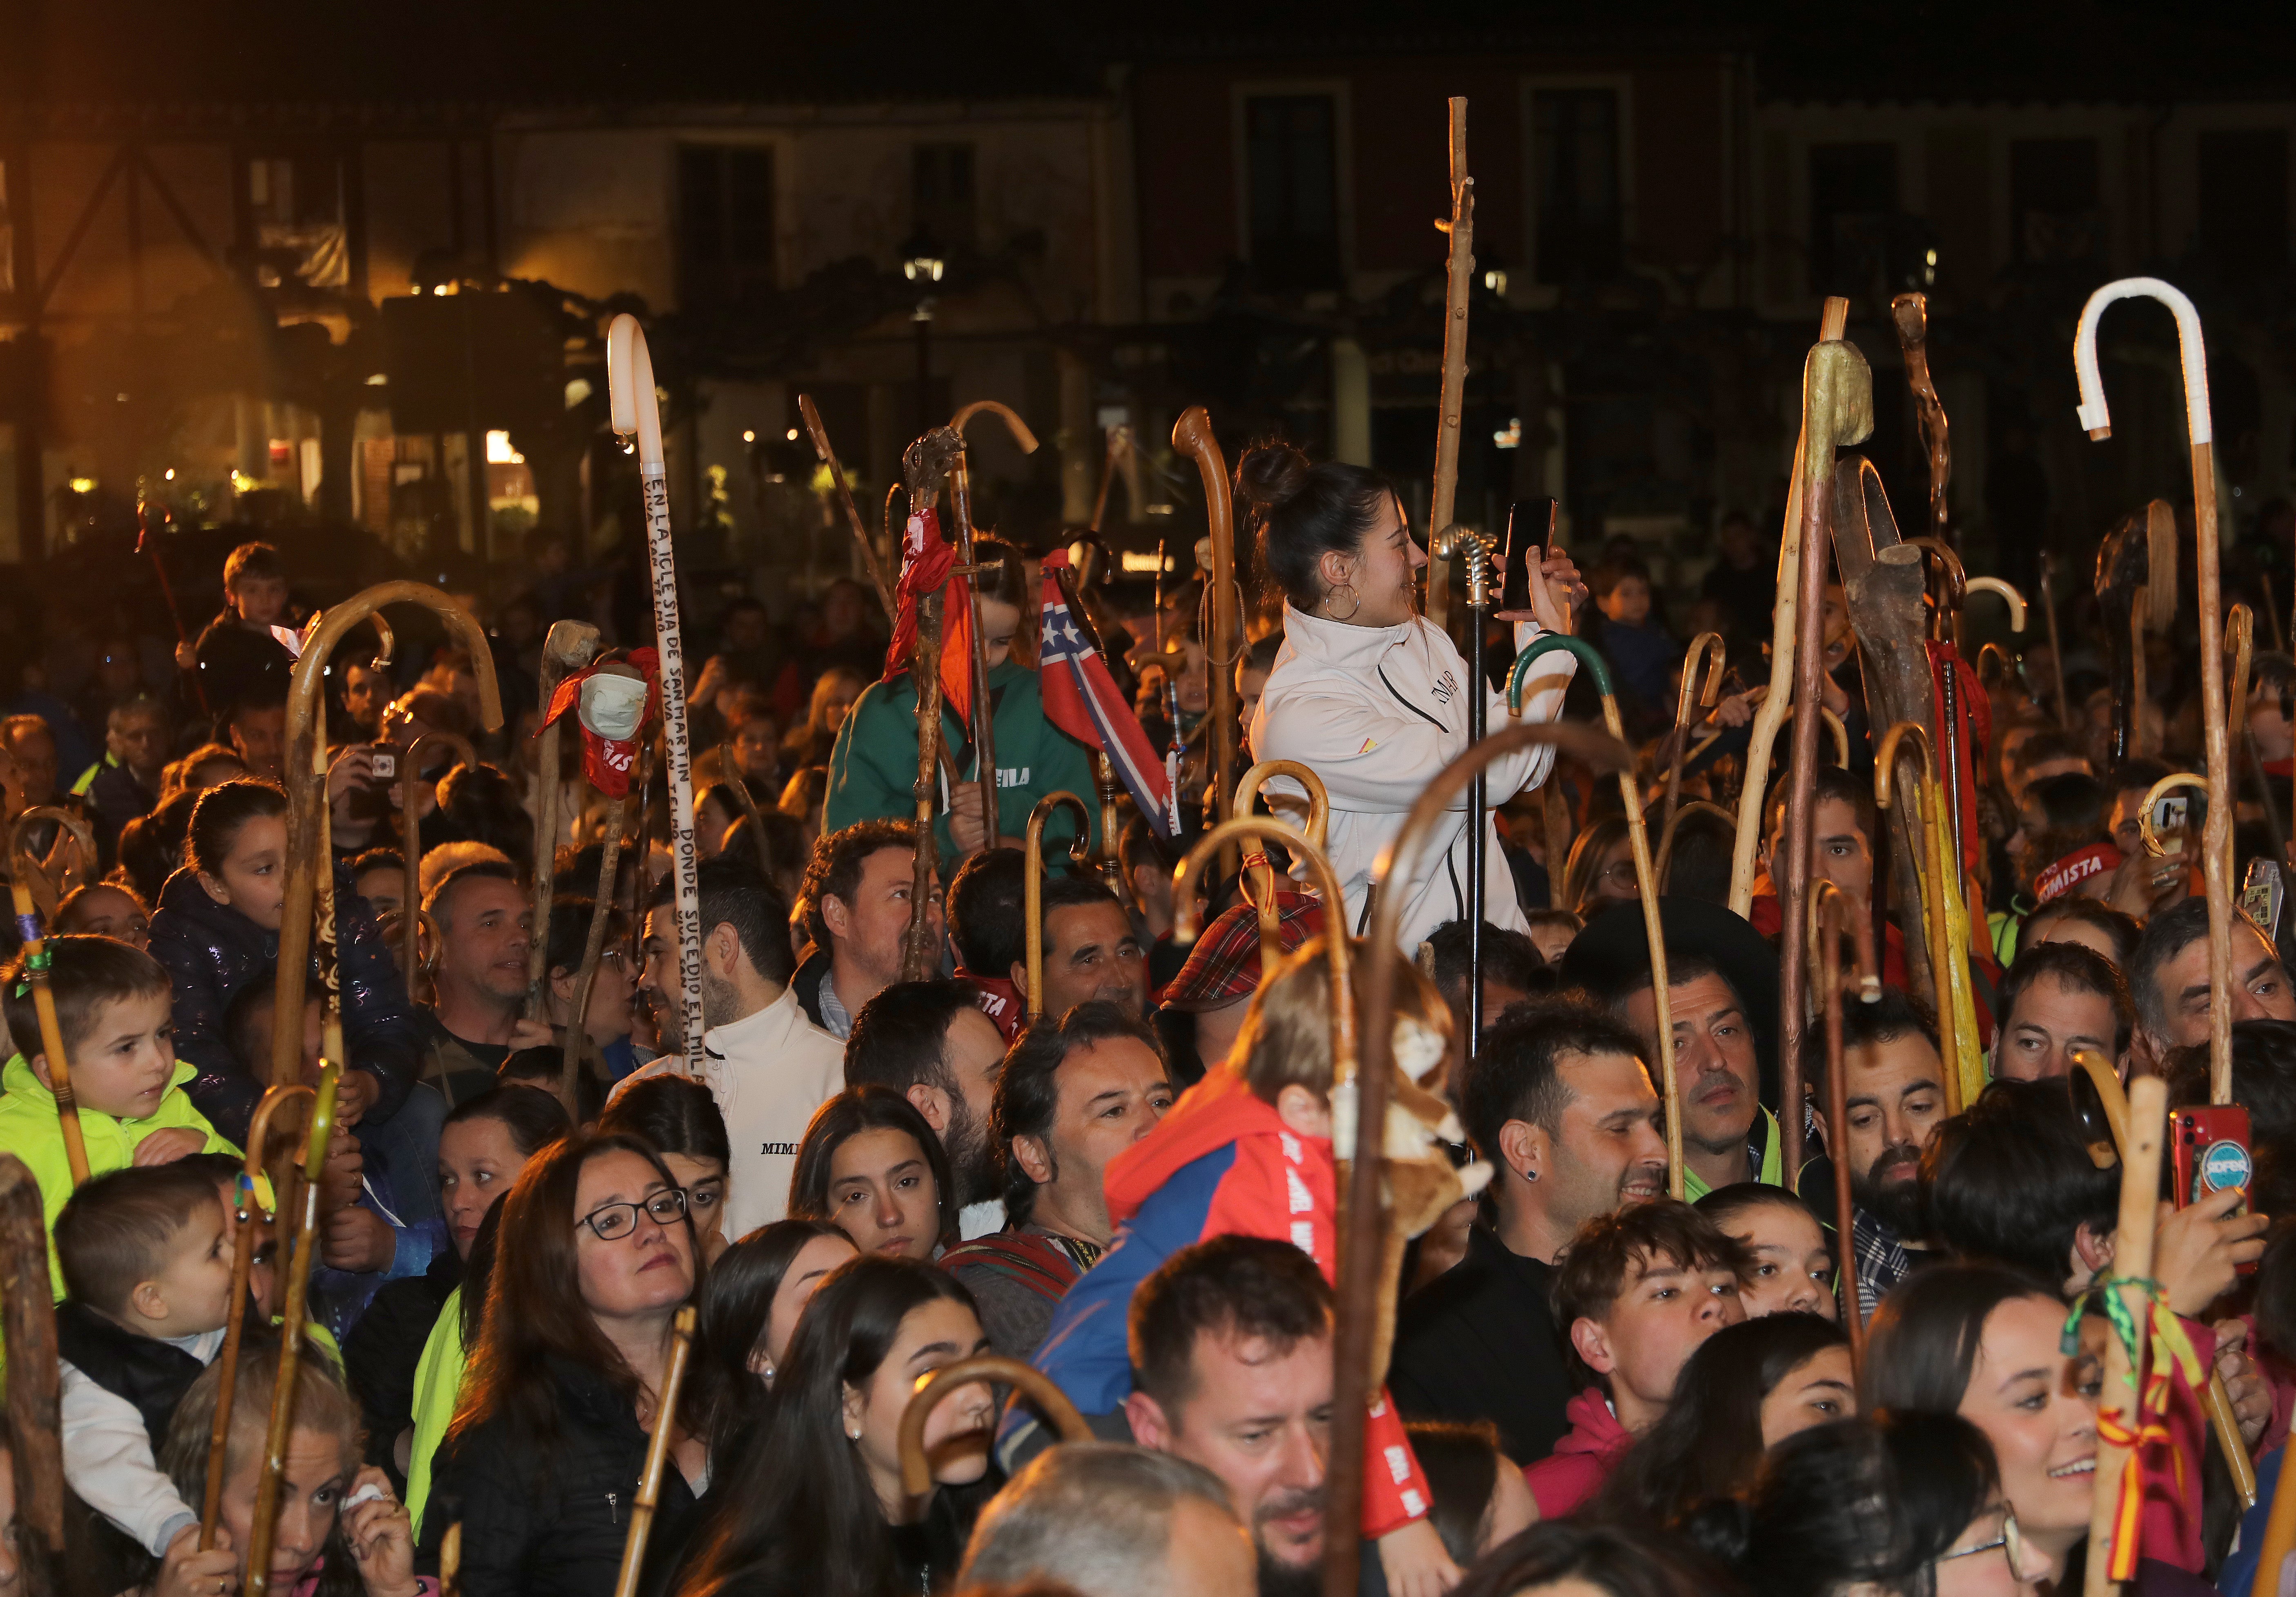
212,952
381,1353
1479,1342
548,1519
151,1374
234,663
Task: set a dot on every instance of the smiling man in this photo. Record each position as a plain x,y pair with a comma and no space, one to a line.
1559,1101
1895,1090
484,924
1090,950
2056,998
2169,978
855,899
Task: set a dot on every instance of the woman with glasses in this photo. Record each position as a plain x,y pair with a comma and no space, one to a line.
1894,1506
595,1256
682,1121
1601,870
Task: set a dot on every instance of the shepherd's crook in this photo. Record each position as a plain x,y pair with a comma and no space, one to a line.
2215,843
636,410
1032,882
1459,277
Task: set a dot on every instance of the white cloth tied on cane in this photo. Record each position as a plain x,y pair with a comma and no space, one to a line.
613,706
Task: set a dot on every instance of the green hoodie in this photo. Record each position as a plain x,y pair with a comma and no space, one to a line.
29,1130
872,771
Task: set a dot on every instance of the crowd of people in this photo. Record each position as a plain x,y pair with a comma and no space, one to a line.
1083,1142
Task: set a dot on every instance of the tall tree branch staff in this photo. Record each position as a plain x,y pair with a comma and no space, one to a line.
1373,698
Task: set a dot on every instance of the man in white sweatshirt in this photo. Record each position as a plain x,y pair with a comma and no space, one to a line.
768,1067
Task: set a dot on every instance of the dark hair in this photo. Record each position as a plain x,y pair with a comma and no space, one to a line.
1708,1441
1231,1286
1138,845
1699,864
479,805
115,1230
2010,1179
1603,1257
1066,892
435,901
1028,1087
984,913
834,871
2165,935
1833,785
1895,1014
2075,965
1303,513
534,1119
735,893
376,859
567,939
1510,958
84,974
1922,1343
852,1111
1726,1204
541,1069
2045,745
2264,1084
251,560
1515,1074
1618,1564
1876,1500
220,812
68,909
2075,809
535,1314
250,1023
735,1308
675,1114
2124,929
801,1515
151,846
1461,1462
900,1038
2275,1293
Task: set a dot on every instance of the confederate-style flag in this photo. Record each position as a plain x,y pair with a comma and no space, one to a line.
925,561
1081,699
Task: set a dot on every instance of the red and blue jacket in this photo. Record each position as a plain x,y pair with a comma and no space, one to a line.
1221,1162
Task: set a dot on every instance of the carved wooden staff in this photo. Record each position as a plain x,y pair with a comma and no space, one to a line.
1590,660
1708,649
1785,630
2215,846
310,868
1263,875
569,646
1938,891
637,413
36,962
593,945
2117,1405
924,464
1911,315
656,1456
960,509
1191,436
1837,407
1832,917
265,1524
246,1212
1459,277
843,493
1040,1389
1356,1332
1032,882
1461,544
33,1377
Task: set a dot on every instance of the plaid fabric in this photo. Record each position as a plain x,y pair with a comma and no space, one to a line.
1225,964
1882,1261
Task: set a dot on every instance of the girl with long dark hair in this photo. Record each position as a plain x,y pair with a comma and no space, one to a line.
871,1166
750,1307
595,1258
815,1508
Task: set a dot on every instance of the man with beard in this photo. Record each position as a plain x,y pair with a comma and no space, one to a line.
1232,1340
1559,1101
1073,1094
1895,1082
768,1067
928,1042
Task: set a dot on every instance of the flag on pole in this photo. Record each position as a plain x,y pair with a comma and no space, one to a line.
925,559
1080,699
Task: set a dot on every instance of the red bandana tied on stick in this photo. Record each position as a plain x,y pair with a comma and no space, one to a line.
925,561
612,705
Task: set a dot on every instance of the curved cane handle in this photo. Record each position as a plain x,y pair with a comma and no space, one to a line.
30,869
1708,649
2095,415
2153,795
917,1469
2110,1093
1032,881
2008,596
1319,802
1580,648
1885,758
1003,412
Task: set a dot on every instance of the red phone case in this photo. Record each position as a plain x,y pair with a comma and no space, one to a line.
2209,1151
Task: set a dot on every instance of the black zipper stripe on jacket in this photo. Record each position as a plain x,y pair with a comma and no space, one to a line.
1407,703
1459,903
1451,869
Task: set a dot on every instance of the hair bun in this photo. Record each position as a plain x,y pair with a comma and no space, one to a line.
1272,475
1721,1529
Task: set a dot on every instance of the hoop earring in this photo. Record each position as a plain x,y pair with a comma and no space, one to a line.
1352,608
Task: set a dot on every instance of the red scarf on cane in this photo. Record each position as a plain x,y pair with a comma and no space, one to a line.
925,559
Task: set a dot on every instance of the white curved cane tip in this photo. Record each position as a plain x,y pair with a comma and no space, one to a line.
622,335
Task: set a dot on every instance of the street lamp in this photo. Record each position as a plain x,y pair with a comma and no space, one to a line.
922,265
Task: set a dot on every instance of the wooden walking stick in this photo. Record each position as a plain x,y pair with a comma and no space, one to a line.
924,464
657,1455
1911,315
1943,920
2120,1425
1785,630
1458,286
960,509
1191,436
246,1209
2216,846
593,945
36,960
636,411
1837,407
1263,875
1475,552
265,1524
843,493
1040,1389
33,1377
26,867
410,862
569,646
1697,806
2056,645
1832,917
1591,660
310,867
1032,882
1708,649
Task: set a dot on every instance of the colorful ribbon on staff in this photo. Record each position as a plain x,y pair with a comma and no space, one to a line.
2171,1347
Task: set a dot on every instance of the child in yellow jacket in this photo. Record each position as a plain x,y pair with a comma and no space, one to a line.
112,1008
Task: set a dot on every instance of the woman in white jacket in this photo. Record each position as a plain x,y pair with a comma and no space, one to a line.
1371,697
